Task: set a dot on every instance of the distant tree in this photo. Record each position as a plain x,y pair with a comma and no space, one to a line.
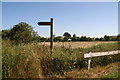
58,38
107,38
89,39
22,33
101,39
66,34
74,35
37,38
118,37
83,38
96,39
112,38
73,38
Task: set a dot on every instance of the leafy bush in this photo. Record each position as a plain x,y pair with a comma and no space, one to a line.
22,33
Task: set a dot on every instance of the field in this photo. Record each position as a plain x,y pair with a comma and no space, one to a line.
35,61
77,44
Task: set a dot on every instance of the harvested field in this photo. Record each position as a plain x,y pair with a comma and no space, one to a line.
76,44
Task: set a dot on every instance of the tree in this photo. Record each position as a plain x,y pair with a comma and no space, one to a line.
22,33
118,37
58,38
74,35
101,39
5,34
83,38
89,39
107,38
66,34
96,39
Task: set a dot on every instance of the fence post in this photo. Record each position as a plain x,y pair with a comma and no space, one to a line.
89,63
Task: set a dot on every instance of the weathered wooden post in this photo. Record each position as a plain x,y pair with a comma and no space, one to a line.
51,31
89,63
51,36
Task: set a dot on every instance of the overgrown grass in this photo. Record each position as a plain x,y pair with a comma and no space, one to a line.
114,74
35,61
21,61
64,59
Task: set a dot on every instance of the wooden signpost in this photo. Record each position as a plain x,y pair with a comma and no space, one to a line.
51,31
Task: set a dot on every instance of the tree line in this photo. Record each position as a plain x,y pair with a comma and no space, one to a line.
24,33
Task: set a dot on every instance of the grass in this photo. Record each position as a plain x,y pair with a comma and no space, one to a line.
21,61
64,59
34,60
109,71
113,74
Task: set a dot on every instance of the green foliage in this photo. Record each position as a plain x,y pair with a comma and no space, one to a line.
58,38
22,33
107,38
118,37
40,39
21,61
34,61
5,34
105,60
63,60
83,38
74,35
66,34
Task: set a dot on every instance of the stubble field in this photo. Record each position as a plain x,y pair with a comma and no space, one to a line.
76,44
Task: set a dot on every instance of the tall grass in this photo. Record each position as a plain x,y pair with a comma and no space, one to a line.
21,61
63,59
113,74
34,61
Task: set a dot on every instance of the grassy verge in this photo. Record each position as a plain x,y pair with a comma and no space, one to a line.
113,74
109,71
21,61
34,61
63,59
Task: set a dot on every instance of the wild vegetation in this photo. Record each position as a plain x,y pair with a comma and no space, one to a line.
34,61
24,33
23,56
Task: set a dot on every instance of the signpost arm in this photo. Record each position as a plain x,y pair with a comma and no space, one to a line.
51,32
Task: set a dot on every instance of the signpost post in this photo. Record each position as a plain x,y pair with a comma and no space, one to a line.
51,31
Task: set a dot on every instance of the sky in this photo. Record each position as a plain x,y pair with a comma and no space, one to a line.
60,0
93,19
